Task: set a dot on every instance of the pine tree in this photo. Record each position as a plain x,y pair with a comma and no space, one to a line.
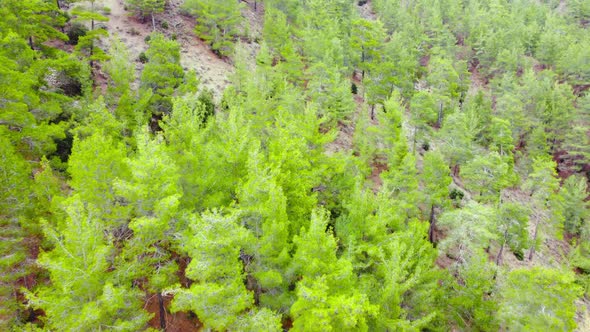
486,176
144,8
14,203
326,296
538,298
470,229
436,179
218,296
83,294
263,209
95,164
163,73
543,184
217,22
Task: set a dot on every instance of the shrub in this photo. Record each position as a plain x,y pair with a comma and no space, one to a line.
456,194
206,98
76,31
165,25
142,57
354,89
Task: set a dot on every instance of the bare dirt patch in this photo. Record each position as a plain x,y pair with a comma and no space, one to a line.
212,71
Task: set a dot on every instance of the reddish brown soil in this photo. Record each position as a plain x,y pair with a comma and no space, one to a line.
175,322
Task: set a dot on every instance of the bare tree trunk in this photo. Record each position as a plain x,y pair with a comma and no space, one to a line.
162,312
153,22
532,251
499,257
31,43
440,116
431,226
57,4
414,141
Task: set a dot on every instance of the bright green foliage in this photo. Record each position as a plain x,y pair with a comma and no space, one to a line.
436,180
14,202
258,320
470,229
263,210
577,142
452,102
458,133
501,137
330,91
120,70
538,299
87,45
576,210
217,22
360,229
471,303
276,30
153,193
326,298
580,256
94,165
163,72
405,283
35,20
28,117
222,145
83,295
486,176
401,186
218,295
543,184
366,42
513,222
47,190
425,113
447,82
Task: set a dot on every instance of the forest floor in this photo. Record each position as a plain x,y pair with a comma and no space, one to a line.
212,71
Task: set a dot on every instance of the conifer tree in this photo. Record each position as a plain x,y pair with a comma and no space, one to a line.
543,184
538,298
217,22
436,179
144,8
326,296
263,209
14,203
153,193
218,296
83,294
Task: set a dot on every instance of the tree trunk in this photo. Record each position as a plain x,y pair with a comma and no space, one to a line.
31,43
431,227
255,6
414,141
373,112
440,116
499,257
532,251
153,22
162,312
57,4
